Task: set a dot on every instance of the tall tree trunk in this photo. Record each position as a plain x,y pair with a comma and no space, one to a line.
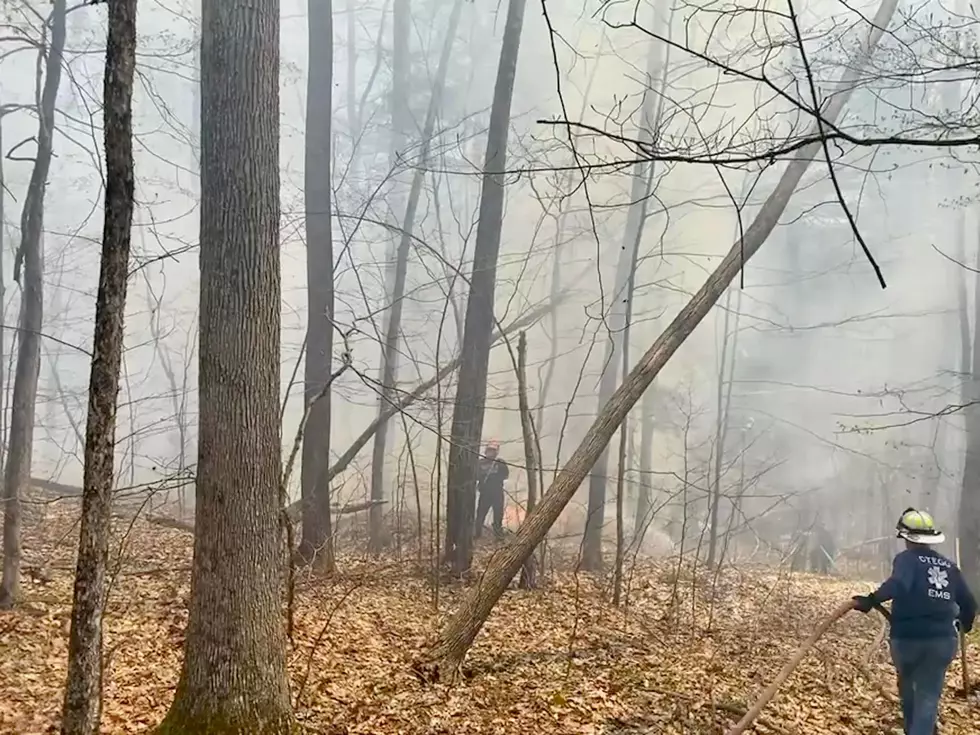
3,308
388,370
30,256
969,514
528,571
317,539
81,712
616,319
644,502
390,352
471,391
353,118
233,678
462,628
721,434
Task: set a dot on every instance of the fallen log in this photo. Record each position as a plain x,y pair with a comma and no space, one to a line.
180,525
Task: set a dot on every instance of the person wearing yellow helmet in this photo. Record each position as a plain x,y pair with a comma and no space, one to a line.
929,600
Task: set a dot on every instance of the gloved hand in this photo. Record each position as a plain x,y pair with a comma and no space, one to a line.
864,603
964,628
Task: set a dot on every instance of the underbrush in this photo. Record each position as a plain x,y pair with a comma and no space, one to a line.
687,655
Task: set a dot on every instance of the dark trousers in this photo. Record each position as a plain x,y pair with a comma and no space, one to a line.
921,667
490,500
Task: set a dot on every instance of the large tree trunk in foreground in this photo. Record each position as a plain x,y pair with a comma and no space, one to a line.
83,691
30,256
471,390
233,679
390,353
317,539
462,628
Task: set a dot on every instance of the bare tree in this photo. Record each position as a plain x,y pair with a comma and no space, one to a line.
316,542
969,515
81,712
531,462
233,677
390,352
615,360
462,628
30,258
399,94
471,390
644,501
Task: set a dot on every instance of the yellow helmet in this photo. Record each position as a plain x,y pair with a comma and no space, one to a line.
919,527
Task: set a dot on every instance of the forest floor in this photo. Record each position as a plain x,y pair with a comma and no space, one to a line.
557,660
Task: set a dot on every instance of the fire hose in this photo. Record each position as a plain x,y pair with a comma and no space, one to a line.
756,709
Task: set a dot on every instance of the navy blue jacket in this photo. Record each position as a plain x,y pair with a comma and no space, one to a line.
493,472
928,594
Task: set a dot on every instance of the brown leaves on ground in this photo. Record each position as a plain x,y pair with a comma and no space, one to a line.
558,660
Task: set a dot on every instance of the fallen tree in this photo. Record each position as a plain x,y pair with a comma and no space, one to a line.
461,629
336,511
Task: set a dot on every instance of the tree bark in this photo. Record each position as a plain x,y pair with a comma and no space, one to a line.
3,306
969,514
317,532
81,712
644,501
30,258
471,391
388,369
528,571
233,678
721,434
390,353
462,628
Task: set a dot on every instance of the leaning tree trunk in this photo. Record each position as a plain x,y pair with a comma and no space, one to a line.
83,692
614,361
30,257
462,628
233,678
390,354
471,391
317,538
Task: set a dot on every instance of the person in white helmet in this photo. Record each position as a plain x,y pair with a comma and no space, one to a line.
930,599
490,486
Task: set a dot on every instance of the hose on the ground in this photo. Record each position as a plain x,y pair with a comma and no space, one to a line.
788,669
791,665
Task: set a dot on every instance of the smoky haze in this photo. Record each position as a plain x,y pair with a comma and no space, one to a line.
808,396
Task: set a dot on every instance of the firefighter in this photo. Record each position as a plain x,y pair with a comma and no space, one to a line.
930,599
490,487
